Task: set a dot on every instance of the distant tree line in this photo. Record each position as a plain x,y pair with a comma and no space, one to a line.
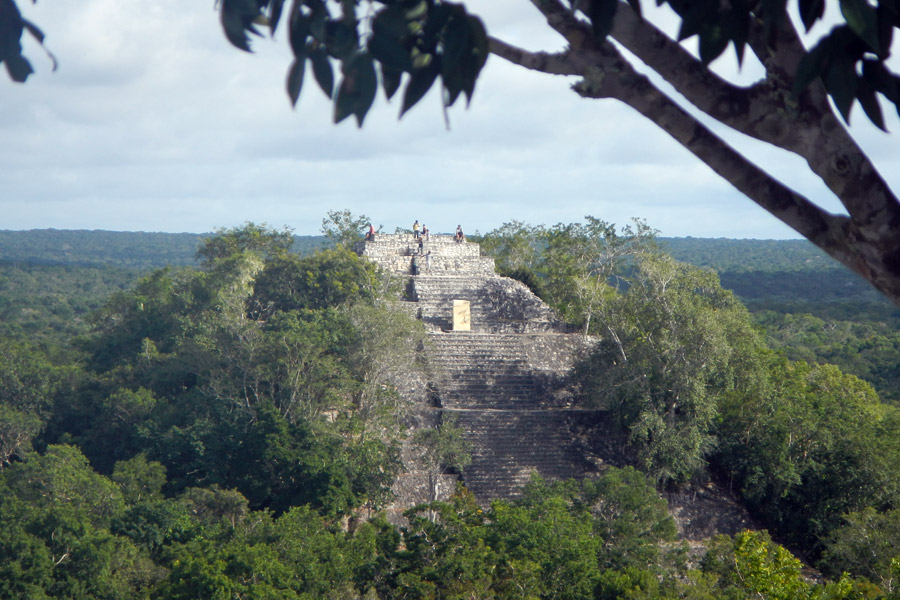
138,250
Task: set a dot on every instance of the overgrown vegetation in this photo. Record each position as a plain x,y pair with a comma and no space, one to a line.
222,430
698,392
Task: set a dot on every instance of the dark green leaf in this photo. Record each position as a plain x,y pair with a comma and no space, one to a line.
357,89
322,70
601,14
435,19
455,41
390,52
862,19
695,18
420,82
341,40
772,13
275,9
712,43
453,84
318,22
390,80
368,87
736,27
387,44
391,21
298,31
881,80
841,83
237,20
33,30
343,104
892,10
811,11
812,65
295,79
11,24
869,101
679,6
463,58
18,67
476,57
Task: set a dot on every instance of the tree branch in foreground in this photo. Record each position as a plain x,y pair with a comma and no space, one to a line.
554,64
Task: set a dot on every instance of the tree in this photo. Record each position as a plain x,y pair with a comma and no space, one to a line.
250,237
326,278
28,386
17,428
630,517
546,545
868,545
443,447
385,350
582,263
574,267
679,343
808,448
343,227
756,566
63,477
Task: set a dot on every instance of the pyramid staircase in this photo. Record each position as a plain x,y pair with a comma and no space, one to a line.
504,380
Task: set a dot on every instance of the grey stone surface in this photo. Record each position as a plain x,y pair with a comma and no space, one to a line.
505,380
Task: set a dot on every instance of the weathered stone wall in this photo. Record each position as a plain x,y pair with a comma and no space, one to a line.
448,257
498,304
505,380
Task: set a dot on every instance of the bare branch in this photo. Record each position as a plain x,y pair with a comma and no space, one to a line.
554,64
822,228
701,87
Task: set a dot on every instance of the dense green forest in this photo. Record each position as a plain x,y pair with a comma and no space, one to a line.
123,249
223,425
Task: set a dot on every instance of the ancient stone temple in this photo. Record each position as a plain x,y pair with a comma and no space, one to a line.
497,360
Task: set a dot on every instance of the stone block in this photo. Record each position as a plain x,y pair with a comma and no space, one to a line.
462,316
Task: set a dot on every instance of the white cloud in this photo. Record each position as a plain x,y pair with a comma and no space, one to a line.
154,122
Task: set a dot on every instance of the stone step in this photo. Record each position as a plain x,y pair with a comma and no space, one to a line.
472,376
519,387
395,245
502,380
464,395
498,304
507,446
484,371
402,264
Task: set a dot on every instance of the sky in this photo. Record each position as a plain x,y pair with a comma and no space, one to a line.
153,122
